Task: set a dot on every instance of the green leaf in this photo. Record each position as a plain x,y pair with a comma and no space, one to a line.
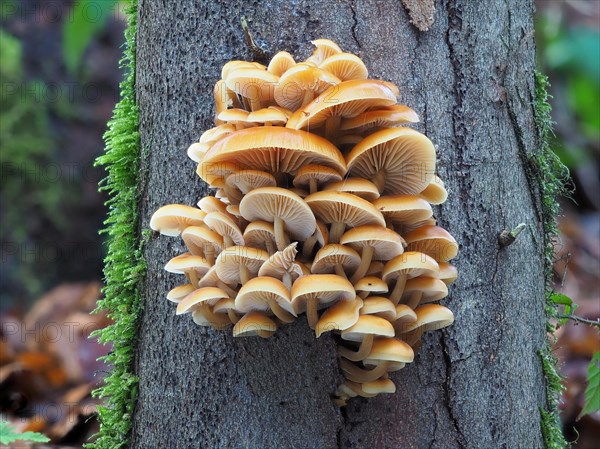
10,57
583,94
584,43
592,392
570,50
86,19
8,434
569,309
559,298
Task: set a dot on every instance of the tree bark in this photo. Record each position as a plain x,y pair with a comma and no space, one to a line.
477,384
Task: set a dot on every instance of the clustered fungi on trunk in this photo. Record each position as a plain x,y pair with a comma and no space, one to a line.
323,207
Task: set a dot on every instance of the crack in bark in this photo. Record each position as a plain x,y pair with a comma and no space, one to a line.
525,162
500,303
433,440
454,25
458,129
343,422
522,150
354,24
415,76
465,358
460,437
425,115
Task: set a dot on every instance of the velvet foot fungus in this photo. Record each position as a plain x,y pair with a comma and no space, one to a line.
322,209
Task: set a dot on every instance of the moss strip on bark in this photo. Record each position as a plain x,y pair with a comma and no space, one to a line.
124,263
552,177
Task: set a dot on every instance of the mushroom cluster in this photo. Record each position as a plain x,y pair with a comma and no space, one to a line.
322,207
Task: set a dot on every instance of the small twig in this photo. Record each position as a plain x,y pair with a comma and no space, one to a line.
507,238
579,319
564,275
258,52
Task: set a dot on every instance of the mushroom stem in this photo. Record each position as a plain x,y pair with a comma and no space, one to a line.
287,280
309,245
217,321
414,299
398,289
233,194
244,274
311,313
344,390
336,231
312,185
209,254
281,237
280,313
357,389
309,96
255,103
223,286
412,338
271,249
242,222
365,263
357,374
233,317
246,104
339,270
341,401
363,350
379,180
193,277
227,241
332,126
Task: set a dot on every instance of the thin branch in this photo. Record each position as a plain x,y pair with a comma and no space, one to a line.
258,52
579,319
506,238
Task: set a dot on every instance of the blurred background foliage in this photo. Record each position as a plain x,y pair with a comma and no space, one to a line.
25,137
568,40
78,32
59,78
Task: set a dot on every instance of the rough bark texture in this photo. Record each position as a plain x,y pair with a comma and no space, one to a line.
477,384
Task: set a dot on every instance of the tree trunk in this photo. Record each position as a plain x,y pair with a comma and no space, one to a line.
477,384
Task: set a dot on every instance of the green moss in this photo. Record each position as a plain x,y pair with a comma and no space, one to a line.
124,264
552,177
550,419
